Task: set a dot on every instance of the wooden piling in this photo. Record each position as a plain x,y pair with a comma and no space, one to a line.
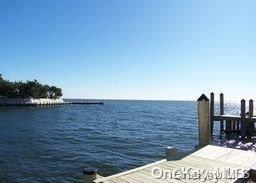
221,111
212,112
204,130
228,128
237,125
251,124
233,125
228,125
90,174
170,152
250,108
243,122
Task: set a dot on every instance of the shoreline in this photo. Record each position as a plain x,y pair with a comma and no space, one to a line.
30,102
45,102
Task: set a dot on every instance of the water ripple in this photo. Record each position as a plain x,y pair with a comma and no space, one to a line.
54,144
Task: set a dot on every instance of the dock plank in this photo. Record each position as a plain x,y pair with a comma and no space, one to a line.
208,158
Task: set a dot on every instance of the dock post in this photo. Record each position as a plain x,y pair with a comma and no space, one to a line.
237,125
243,122
90,174
252,126
221,111
170,152
204,130
228,128
212,112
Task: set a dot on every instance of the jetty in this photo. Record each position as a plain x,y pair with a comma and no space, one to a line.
208,163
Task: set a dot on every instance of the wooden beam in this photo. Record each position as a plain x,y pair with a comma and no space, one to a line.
233,118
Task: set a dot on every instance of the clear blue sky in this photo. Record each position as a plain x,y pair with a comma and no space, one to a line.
131,49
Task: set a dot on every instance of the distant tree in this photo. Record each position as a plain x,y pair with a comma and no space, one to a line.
3,87
28,89
34,89
24,90
43,91
58,92
54,92
8,89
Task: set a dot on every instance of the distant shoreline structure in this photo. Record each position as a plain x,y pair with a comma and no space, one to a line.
33,93
30,102
45,102
28,90
29,93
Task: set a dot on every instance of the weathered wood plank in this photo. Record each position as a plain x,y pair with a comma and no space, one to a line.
209,158
129,171
118,180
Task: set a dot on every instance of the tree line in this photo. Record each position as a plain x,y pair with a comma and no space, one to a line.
28,89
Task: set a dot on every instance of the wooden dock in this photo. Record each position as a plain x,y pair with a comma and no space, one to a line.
208,159
243,125
208,164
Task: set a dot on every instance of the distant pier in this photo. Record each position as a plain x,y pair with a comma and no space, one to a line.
86,102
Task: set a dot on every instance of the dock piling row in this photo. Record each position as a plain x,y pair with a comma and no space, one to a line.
242,125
